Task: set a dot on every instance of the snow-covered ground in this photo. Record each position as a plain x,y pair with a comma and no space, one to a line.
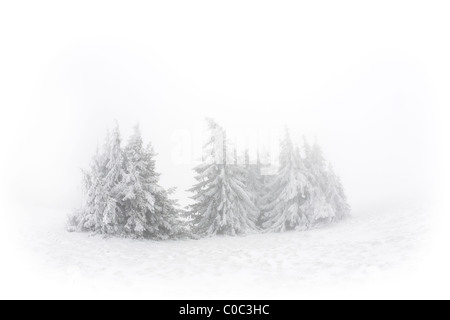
364,249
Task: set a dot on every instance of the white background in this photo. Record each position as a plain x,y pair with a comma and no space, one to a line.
369,80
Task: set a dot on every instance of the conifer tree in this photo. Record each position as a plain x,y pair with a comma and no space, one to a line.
222,205
140,184
90,218
287,203
318,208
148,208
164,222
336,195
114,174
102,212
327,201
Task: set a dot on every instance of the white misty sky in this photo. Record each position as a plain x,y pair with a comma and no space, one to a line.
362,78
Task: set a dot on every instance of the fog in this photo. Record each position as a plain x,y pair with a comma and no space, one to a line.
369,82
363,89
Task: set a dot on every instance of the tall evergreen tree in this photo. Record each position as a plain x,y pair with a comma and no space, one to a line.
114,174
222,205
327,197
319,209
148,208
336,196
90,218
102,212
140,184
286,208
164,222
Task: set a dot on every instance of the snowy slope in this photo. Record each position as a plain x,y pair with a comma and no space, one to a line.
290,265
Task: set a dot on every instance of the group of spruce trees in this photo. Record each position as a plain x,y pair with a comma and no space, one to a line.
123,196
231,197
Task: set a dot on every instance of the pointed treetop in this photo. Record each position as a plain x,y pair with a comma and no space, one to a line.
212,124
115,134
316,153
137,128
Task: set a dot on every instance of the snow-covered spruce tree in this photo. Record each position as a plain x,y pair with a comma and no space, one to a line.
336,196
318,208
139,186
165,222
113,217
90,217
102,212
222,205
148,210
286,200
327,201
